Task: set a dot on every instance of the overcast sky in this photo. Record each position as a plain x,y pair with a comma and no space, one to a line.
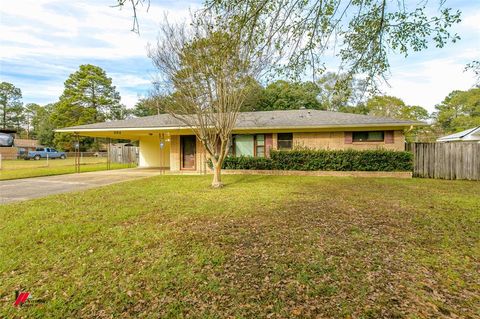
43,41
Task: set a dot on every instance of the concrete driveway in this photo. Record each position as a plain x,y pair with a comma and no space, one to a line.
28,188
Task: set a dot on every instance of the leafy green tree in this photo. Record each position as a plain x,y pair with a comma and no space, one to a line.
459,111
254,94
360,108
90,89
331,92
386,106
11,106
415,113
151,105
284,95
390,106
41,124
144,107
340,92
425,134
29,113
88,97
65,114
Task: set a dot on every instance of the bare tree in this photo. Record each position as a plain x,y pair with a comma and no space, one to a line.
205,75
134,4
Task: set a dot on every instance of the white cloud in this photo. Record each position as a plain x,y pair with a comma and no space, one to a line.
129,80
427,83
42,41
129,99
44,29
471,21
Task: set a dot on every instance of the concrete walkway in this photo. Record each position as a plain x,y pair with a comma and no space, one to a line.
28,188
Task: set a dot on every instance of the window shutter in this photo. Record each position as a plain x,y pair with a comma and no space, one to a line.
389,139
348,138
268,144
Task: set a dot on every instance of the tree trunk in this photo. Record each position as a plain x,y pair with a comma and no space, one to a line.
4,124
217,175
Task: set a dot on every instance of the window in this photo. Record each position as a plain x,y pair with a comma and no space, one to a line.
284,141
260,145
249,145
39,149
244,145
374,136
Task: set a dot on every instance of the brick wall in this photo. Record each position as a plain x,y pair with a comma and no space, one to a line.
317,140
175,152
8,153
337,141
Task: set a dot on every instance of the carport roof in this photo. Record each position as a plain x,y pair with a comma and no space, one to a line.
251,120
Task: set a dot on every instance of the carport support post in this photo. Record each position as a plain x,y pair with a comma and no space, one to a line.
108,153
77,154
161,139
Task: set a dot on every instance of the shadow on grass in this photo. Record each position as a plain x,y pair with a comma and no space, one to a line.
247,179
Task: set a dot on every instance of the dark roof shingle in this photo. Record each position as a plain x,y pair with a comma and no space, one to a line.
264,119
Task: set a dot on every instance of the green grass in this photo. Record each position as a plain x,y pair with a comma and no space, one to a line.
263,246
13,169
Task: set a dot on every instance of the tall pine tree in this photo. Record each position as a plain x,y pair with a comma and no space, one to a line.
11,106
89,97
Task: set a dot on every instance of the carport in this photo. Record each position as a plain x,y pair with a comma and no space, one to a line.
164,142
154,145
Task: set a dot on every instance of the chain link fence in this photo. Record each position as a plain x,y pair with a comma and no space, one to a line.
115,157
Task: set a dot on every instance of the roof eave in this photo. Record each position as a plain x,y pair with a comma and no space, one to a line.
332,126
176,128
109,129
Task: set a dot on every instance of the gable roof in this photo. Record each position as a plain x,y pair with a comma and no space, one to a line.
250,120
470,135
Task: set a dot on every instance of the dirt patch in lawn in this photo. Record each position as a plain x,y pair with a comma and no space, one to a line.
323,256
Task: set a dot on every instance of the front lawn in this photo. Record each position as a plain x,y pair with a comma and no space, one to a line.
262,247
14,169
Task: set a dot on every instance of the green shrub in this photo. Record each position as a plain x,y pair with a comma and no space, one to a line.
248,162
326,160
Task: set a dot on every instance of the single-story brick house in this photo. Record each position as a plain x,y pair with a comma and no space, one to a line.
167,142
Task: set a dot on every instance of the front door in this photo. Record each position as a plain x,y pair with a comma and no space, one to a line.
187,144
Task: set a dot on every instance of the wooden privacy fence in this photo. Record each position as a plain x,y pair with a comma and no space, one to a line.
447,160
123,154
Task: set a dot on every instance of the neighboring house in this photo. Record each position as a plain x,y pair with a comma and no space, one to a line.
167,142
470,135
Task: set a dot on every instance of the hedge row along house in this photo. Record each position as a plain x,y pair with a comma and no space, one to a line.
166,142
